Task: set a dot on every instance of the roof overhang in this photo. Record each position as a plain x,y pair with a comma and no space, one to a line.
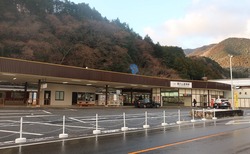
16,71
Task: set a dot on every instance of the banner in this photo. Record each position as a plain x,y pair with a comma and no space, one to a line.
236,101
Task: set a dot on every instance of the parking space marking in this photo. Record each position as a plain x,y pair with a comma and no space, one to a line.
77,120
57,125
46,112
5,114
23,113
42,115
17,132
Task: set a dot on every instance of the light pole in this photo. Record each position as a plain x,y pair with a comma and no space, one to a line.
231,75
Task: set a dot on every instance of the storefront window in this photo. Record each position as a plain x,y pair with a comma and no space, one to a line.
170,97
136,94
59,95
86,97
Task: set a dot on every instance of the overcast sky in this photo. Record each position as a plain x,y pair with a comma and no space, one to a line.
183,23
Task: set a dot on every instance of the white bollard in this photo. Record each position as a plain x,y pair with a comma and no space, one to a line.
21,139
96,131
63,135
193,120
214,117
164,119
179,117
124,128
146,121
203,115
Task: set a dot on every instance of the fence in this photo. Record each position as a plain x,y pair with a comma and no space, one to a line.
35,128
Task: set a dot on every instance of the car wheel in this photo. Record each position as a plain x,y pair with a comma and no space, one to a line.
145,106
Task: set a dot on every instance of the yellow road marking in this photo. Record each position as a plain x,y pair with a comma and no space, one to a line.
178,143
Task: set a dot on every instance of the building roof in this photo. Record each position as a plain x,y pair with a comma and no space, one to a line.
18,71
242,82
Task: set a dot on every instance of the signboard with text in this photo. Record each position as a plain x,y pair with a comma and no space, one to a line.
180,84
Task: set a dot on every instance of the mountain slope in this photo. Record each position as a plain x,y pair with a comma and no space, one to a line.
238,47
65,33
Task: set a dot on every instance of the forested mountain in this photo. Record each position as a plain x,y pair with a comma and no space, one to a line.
239,48
65,33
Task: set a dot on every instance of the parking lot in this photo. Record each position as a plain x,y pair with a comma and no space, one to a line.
40,124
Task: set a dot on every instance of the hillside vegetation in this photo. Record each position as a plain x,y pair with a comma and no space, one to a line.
75,34
238,47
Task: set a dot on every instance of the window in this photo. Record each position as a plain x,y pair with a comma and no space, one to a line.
59,95
86,96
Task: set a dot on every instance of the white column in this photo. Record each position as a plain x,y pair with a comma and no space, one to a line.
124,128
231,75
193,120
96,131
21,139
164,119
179,117
146,120
63,135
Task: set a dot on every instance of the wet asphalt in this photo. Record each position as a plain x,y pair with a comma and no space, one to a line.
222,136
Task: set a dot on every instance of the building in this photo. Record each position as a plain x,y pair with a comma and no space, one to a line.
25,82
241,91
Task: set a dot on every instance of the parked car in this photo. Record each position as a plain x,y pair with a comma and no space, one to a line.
144,103
222,103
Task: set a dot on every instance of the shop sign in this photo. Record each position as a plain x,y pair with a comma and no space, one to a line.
180,84
44,85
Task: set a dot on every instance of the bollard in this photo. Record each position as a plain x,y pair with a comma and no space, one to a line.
63,135
193,116
146,121
96,131
203,115
164,119
21,139
179,117
124,128
214,117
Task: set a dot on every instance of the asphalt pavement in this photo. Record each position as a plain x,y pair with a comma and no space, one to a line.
42,126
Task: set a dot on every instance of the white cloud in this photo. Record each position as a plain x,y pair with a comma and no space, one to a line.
148,30
206,22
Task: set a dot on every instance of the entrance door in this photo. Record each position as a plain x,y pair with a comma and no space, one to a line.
47,95
74,98
204,102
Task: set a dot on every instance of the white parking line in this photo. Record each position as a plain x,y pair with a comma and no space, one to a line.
57,125
4,117
47,112
17,132
32,116
77,120
5,114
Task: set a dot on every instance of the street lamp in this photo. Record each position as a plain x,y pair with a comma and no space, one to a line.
231,75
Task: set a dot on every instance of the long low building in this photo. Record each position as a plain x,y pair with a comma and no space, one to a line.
25,82
241,91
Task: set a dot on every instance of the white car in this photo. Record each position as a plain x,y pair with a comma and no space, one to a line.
222,103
